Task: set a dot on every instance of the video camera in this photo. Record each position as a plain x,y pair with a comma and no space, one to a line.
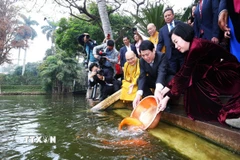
102,55
100,72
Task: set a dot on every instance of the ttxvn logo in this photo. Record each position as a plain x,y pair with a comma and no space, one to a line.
40,139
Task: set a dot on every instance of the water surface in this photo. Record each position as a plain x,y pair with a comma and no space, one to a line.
79,133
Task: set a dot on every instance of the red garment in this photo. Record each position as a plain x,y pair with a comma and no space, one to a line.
236,6
118,69
203,77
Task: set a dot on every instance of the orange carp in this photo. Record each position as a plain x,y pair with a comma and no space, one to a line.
129,142
131,122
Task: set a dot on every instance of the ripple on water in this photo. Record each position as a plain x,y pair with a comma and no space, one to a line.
80,134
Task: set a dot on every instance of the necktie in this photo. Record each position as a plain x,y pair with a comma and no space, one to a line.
200,7
200,11
171,26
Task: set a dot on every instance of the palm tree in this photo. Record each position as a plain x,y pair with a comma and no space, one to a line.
151,14
102,9
49,30
58,72
26,32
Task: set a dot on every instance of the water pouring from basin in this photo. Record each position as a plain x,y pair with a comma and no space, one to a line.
144,116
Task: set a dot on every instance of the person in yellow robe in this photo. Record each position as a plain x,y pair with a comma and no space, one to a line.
152,31
131,72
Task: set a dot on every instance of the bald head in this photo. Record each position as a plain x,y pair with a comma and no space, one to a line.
131,57
151,29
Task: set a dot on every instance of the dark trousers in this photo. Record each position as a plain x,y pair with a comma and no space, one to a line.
105,91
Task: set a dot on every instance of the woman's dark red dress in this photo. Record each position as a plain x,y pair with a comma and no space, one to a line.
208,71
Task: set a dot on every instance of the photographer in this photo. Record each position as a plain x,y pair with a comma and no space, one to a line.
106,54
104,77
88,44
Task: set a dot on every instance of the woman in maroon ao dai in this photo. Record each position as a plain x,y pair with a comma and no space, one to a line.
208,71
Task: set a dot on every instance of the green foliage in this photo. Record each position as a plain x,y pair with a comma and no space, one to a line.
121,26
49,52
49,29
152,14
187,11
59,71
31,76
68,32
27,23
70,29
21,88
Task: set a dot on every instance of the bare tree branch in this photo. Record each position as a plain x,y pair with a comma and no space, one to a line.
138,5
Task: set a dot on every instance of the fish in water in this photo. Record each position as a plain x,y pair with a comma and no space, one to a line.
131,122
129,142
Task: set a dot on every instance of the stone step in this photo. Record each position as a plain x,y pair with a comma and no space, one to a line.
215,132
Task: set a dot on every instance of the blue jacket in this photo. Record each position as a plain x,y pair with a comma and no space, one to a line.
89,50
208,22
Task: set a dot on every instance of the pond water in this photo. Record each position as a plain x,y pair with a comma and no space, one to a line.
62,127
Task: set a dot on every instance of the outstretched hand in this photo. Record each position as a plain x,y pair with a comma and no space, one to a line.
163,104
136,100
158,95
130,88
164,91
222,20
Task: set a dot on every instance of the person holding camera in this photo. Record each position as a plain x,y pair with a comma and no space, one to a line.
88,44
104,77
106,54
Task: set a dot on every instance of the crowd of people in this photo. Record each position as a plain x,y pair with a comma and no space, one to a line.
180,58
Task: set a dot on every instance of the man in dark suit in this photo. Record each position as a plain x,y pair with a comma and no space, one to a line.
229,22
127,47
154,72
206,20
175,58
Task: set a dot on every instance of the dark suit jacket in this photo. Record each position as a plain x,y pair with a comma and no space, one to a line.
208,22
123,50
108,74
164,39
156,74
235,17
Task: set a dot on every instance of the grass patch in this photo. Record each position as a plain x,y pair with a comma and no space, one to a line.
22,89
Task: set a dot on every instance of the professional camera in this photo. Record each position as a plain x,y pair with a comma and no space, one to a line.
102,55
100,72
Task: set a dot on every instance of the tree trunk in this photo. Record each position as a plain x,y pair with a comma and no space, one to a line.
19,50
102,9
24,61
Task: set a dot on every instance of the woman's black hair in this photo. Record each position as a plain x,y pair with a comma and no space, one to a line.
92,65
146,45
183,30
